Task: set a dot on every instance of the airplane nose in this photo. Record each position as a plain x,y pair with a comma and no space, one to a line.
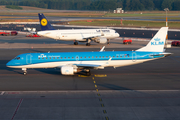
118,34
10,63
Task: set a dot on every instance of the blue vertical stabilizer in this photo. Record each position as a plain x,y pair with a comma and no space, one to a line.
45,25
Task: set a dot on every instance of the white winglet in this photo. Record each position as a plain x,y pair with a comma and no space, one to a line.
102,49
157,42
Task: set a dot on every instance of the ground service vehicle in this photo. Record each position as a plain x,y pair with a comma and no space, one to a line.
12,33
175,43
33,35
127,41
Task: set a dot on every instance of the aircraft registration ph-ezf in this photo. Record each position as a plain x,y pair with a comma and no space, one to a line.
73,62
81,35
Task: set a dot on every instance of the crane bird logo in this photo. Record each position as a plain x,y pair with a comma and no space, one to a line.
43,22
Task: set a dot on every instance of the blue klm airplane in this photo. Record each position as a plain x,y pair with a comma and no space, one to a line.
73,62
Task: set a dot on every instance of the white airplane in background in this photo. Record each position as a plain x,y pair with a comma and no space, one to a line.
81,35
73,62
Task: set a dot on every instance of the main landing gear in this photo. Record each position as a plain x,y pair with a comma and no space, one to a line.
88,44
108,41
88,72
24,71
75,43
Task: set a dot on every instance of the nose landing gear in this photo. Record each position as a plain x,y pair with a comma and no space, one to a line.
75,43
24,71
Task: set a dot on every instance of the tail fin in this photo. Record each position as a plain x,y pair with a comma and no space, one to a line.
157,42
45,25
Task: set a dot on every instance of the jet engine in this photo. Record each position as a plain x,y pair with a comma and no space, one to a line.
68,70
101,40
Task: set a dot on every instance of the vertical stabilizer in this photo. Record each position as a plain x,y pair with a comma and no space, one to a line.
45,25
157,42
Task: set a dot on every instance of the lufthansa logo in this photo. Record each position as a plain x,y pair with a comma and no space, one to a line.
43,22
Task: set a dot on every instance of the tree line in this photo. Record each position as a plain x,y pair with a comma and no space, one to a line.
127,5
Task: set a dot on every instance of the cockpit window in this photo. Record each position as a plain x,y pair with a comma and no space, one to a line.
17,58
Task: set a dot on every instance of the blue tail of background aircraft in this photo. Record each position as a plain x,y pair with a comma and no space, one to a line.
45,25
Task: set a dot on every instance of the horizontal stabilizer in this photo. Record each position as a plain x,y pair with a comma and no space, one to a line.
165,54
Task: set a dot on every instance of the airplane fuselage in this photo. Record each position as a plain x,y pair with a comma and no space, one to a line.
105,59
79,34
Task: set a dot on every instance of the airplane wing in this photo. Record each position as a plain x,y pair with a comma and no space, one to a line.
89,36
88,65
94,65
96,36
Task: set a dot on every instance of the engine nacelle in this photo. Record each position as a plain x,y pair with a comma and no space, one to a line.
68,70
101,40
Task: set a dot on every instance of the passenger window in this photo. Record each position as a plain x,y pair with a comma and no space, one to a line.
72,57
46,58
84,57
96,56
42,58
92,56
68,57
102,56
106,56
64,57
57,57
99,56
80,57
61,57
53,57
113,56
117,56
39,58
89,57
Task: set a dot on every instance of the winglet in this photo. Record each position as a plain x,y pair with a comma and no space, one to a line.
102,49
107,63
45,25
157,42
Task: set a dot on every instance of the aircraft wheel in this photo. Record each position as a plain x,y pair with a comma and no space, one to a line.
88,73
88,44
75,43
24,73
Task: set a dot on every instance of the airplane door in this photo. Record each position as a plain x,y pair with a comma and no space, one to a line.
28,58
134,57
